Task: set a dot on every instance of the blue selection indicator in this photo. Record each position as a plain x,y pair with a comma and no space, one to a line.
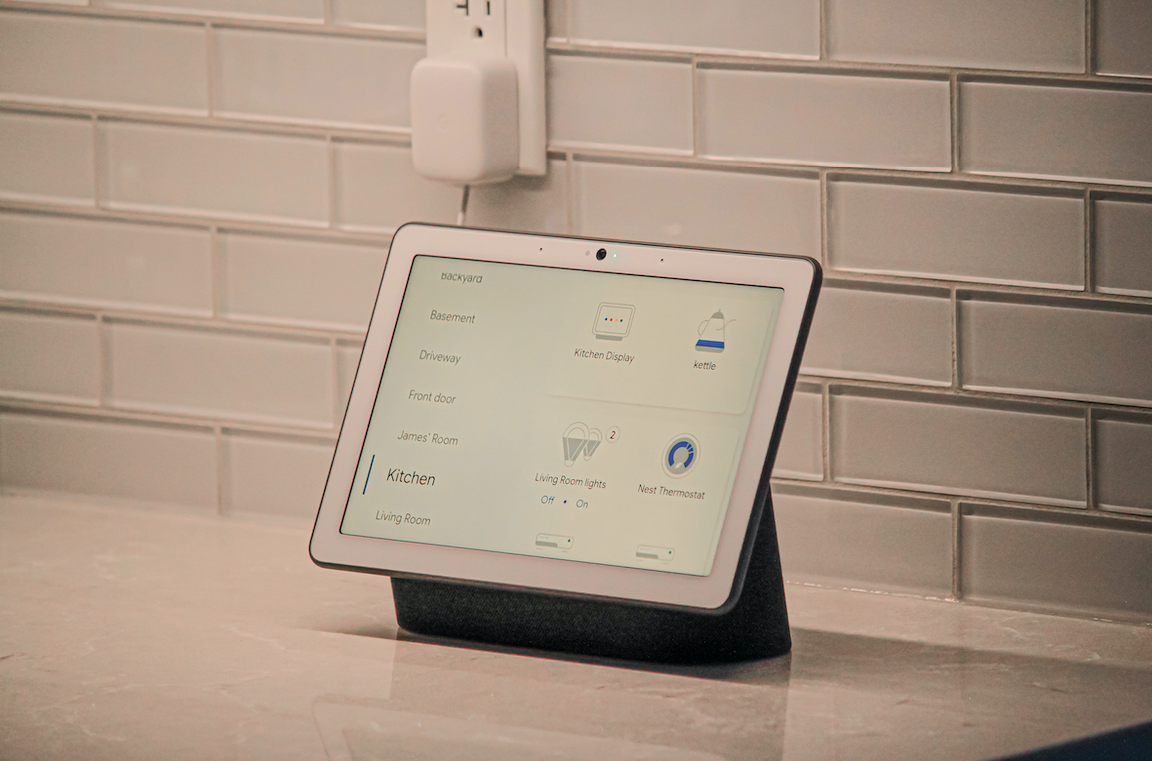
680,455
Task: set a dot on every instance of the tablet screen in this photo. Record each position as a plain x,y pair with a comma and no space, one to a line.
592,416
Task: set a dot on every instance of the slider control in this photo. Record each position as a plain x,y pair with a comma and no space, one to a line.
554,540
654,553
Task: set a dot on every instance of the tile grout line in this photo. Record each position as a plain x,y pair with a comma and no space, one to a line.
104,337
954,117
318,27
216,273
735,59
330,161
326,26
276,330
722,57
695,106
826,430
955,319
570,192
97,162
851,491
223,472
385,135
1014,183
334,360
825,214
1089,241
823,30
1090,459
954,505
129,415
1089,36
210,68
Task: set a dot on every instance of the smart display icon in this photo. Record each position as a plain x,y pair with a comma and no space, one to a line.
613,321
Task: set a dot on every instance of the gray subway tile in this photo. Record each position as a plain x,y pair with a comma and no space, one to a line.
1123,247
123,265
377,190
775,27
881,335
270,476
587,98
801,453
556,18
1122,30
1070,133
313,79
836,540
1023,35
1047,350
956,233
46,158
188,170
738,210
108,459
404,14
49,357
221,374
104,62
276,10
535,204
303,282
824,119
1084,569
1007,453
1122,450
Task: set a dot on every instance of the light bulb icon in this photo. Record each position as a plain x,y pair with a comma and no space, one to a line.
580,441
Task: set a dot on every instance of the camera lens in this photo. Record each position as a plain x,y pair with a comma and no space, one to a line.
602,254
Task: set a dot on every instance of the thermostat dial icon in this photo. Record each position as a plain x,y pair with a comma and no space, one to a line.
681,455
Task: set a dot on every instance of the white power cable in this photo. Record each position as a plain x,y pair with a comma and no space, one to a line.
463,206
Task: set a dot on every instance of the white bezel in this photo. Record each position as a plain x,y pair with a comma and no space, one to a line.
795,275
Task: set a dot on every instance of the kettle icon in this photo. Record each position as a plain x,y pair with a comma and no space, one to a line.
711,333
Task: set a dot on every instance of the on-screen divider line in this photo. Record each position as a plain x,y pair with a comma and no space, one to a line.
370,464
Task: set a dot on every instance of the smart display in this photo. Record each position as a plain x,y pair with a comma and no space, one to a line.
583,417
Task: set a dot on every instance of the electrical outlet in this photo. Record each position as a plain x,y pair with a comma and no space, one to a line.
511,29
466,28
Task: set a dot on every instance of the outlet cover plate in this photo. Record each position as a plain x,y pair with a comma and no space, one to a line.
512,29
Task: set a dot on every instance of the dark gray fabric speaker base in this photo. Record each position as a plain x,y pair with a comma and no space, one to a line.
755,628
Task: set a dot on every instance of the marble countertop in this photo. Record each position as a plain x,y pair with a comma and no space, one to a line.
133,634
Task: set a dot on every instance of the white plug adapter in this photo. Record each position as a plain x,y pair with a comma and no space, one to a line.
465,121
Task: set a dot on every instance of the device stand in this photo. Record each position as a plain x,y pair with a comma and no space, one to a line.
756,627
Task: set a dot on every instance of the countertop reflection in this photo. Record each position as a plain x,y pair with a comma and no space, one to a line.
133,634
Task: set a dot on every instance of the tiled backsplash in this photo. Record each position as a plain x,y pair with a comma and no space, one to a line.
196,197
